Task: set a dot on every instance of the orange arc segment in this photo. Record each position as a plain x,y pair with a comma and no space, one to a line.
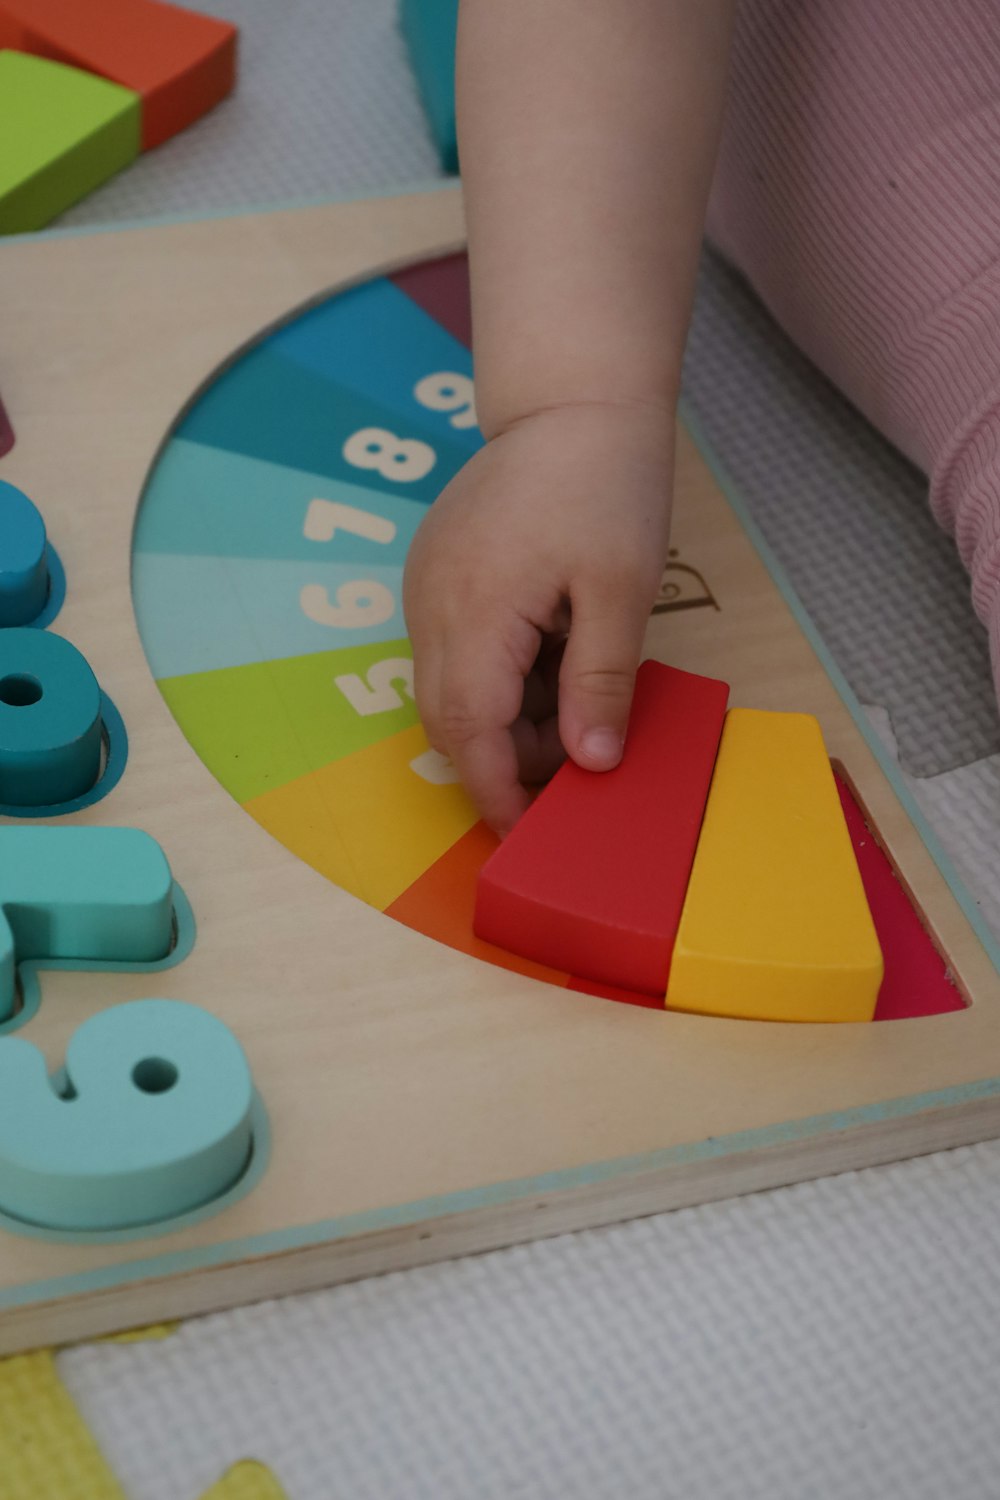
441,902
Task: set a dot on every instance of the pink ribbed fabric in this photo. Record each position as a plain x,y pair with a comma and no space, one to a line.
858,190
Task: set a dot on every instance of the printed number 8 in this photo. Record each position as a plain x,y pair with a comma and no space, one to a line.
401,459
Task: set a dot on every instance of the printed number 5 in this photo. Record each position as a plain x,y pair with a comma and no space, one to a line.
378,695
402,459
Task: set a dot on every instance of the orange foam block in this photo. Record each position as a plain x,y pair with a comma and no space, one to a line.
179,62
592,879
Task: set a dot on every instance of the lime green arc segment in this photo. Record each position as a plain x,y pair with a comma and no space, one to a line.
260,726
62,133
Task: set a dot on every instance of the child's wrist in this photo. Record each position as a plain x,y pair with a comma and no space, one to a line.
655,411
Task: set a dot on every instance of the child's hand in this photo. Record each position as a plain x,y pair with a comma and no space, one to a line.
558,528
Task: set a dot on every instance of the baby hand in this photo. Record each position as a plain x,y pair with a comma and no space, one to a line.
556,532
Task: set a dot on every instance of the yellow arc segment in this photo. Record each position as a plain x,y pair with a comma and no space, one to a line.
775,924
371,822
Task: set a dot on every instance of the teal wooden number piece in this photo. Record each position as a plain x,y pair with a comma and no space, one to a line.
430,27
151,1115
150,1118
50,719
24,574
81,893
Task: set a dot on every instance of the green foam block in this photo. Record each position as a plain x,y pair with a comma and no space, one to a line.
62,133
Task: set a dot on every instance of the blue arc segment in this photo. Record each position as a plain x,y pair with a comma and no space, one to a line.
199,614
375,340
272,408
212,503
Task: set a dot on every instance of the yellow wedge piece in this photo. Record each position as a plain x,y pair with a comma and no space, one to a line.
775,924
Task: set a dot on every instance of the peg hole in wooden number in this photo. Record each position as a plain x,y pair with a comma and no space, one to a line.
62,742
19,690
154,1075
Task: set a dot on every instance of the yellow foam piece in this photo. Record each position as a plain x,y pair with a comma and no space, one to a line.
247,1480
153,1333
46,1450
370,822
775,924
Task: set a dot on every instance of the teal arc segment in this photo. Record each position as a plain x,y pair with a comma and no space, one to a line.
198,614
24,572
50,719
149,1118
375,340
76,893
270,407
430,28
209,502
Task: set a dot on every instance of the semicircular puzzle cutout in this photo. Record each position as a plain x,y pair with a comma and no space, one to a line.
267,581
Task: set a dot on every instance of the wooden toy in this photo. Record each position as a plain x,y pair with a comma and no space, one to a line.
593,877
775,925
62,133
50,720
81,893
179,62
24,570
423,1102
915,982
151,1117
429,27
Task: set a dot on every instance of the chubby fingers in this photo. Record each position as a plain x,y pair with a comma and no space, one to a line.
597,677
469,694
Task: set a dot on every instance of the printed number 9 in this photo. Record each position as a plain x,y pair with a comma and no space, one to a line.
447,392
401,459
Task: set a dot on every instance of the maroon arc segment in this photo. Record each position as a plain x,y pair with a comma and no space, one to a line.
6,432
916,980
441,288
592,879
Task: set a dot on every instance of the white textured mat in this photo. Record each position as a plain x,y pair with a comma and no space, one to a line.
835,1340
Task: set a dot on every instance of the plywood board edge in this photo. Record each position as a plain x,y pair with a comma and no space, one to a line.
536,1210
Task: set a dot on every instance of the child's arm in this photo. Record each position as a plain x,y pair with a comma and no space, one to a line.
588,130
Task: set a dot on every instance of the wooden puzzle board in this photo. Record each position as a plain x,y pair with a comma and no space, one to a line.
422,1104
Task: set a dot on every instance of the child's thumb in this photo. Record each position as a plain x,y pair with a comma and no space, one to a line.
597,679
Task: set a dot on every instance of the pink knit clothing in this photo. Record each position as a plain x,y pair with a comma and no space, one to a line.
858,190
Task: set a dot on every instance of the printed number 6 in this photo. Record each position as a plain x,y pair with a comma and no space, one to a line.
377,694
402,459
358,604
